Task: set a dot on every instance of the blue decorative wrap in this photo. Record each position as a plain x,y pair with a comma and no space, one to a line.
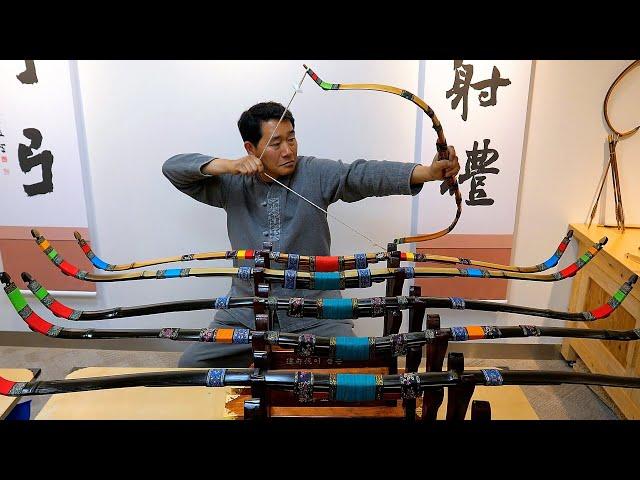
172,273
222,303
326,280
472,272
364,278
293,262
552,262
459,334
244,273
215,377
99,263
240,335
361,260
303,386
336,308
290,277
410,385
355,387
492,377
457,303
352,348
409,272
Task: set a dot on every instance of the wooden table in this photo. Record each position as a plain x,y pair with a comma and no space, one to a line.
16,375
593,286
202,403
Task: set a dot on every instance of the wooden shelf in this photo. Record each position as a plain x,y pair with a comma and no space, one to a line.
592,286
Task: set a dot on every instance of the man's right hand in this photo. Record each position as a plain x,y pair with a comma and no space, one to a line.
247,165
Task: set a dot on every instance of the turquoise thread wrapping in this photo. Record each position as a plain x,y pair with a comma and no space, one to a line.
337,308
355,387
326,280
352,348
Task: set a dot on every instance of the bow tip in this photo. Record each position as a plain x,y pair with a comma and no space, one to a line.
5,278
26,277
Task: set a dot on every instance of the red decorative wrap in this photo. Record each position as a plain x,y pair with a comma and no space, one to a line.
68,269
569,271
249,254
327,264
602,311
85,248
60,310
38,324
6,386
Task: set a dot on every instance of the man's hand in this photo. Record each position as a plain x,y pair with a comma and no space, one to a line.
441,169
438,170
247,165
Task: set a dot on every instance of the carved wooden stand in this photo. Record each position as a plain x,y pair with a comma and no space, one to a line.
266,403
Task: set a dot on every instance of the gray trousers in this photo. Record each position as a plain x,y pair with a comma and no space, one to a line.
222,355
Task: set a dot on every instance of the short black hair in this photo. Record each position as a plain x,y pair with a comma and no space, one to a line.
250,122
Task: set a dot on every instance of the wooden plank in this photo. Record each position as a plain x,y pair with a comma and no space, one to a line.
139,403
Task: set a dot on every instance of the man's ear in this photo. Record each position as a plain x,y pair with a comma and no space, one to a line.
250,148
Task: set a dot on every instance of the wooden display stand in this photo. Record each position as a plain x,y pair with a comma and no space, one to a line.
593,286
258,403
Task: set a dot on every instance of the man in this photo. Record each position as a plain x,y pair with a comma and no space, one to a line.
260,210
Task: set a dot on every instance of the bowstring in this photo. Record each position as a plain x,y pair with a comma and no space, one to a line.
286,109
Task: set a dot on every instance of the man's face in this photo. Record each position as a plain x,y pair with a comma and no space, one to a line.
281,154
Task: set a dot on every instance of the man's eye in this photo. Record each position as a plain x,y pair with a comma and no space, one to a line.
276,145
292,139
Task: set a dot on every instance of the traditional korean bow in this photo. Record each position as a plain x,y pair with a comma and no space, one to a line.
450,184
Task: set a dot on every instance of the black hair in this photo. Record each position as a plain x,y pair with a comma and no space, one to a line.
250,122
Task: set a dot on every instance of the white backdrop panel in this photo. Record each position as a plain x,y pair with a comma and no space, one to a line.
139,113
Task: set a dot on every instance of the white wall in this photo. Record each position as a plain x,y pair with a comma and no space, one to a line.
139,113
565,152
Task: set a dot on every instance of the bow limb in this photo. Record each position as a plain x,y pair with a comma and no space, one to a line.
450,184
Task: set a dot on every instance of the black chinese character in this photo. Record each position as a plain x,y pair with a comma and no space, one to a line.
461,86
462,82
29,76
28,160
493,83
477,169
3,148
